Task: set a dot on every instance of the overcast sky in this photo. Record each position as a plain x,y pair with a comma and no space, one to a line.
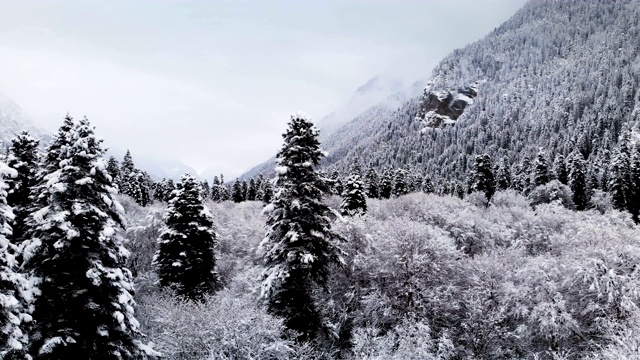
212,83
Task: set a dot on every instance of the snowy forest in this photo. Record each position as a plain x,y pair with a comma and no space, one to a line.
493,216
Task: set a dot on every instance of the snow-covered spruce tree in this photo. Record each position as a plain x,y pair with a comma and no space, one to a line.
427,186
578,180
185,260
354,201
15,289
23,157
237,195
503,174
252,191
482,178
215,190
113,168
386,184
400,183
299,246
85,309
540,174
560,170
372,183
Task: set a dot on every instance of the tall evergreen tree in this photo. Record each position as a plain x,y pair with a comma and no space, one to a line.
400,183
113,168
23,157
85,309
245,190
267,191
354,200
252,191
503,174
427,186
336,183
299,246
15,290
237,195
560,169
620,175
372,186
185,260
540,169
386,184
128,180
482,178
578,180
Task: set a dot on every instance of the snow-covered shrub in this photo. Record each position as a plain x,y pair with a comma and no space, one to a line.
601,201
552,192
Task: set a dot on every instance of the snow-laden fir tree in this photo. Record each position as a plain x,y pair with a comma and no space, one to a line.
482,178
267,191
400,183
15,290
503,174
540,174
620,175
23,157
299,247
113,168
354,200
386,184
236,194
252,192
185,260
215,189
371,182
427,186
560,172
206,189
245,190
336,183
578,180
85,309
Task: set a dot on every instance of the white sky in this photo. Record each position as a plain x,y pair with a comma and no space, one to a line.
212,83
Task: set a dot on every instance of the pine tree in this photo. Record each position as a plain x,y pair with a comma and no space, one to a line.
85,309
427,186
560,170
127,170
540,169
267,192
354,200
15,289
23,157
237,195
400,183
482,178
578,180
252,191
503,175
245,190
620,175
372,184
113,168
386,184
336,182
185,260
299,246
206,189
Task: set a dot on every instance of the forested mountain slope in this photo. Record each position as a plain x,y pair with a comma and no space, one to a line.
562,75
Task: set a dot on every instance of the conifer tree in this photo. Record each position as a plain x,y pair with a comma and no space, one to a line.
185,260
354,200
386,184
620,175
245,190
372,184
427,186
206,189
560,170
336,182
23,157
215,189
85,309
237,195
113,168
15,289
540,169
299,246
126,170
252,191
503,175
482,178
578,180
267,192
400,183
